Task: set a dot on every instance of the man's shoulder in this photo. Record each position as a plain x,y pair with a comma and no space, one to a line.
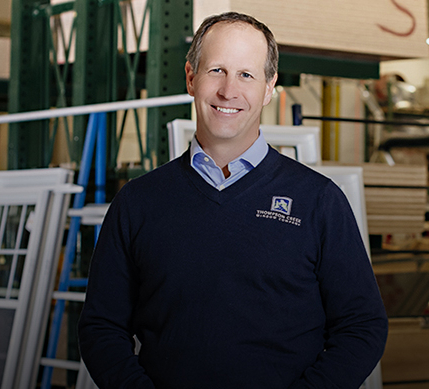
169,169
160,179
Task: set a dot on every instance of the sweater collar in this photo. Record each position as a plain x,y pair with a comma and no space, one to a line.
243,184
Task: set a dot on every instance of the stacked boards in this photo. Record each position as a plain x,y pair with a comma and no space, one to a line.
396,198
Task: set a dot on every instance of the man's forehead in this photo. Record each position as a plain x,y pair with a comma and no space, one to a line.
235,25
225,33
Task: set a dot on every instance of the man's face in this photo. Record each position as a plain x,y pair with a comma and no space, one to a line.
230,88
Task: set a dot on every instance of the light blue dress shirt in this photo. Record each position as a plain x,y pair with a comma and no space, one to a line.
207,168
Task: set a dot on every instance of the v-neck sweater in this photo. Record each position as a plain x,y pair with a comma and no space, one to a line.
265,284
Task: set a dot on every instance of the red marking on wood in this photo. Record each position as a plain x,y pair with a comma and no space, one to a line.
407,12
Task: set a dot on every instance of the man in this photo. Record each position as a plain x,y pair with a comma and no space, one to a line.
234,266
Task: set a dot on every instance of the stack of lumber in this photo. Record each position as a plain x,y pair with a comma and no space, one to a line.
396,198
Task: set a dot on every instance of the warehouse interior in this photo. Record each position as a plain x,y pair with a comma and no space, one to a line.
356,72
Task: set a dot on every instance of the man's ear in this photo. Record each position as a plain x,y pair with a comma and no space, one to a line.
189,78
269,91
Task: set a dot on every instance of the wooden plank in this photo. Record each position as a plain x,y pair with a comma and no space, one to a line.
396,218
388,30
379,174
398,194
391,210
398,175
402,228
389,224
345,25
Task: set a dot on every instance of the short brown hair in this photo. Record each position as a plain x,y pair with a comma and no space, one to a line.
271,63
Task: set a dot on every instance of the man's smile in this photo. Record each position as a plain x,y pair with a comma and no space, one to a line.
227,110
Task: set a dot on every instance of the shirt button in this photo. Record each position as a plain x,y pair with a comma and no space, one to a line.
206,159
221,187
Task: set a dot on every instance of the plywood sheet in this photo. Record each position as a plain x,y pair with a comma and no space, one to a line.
399,195
383,28
364,26
391,224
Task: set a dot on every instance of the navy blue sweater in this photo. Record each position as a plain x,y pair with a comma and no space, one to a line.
263,285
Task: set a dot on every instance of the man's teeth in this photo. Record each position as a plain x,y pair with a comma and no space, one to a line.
227,110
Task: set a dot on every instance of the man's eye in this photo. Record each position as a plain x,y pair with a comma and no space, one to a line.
218,70
246,75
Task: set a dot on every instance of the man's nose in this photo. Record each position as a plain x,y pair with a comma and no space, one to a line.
228,88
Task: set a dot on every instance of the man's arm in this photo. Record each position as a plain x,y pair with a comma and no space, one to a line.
356,322
105,326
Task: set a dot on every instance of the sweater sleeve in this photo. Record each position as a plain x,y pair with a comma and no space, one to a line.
105,327
356,322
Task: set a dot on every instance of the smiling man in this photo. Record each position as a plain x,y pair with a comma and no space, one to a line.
230,89
255,275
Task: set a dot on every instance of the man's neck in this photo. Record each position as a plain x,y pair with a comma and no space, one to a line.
225,151
246,161
226,172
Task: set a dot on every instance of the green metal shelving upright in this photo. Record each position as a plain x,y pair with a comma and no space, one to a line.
97,73
171,24
29,86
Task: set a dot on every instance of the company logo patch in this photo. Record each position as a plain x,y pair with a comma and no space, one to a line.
281,204
280,210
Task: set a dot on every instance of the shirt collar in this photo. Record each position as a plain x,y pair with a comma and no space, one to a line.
253,155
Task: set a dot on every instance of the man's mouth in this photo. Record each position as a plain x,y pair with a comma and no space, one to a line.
227,110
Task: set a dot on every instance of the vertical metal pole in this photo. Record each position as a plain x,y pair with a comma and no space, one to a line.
100,166
337,124
29,85
94,69
170,26
296,115
100,161
367,137
78,202
326,126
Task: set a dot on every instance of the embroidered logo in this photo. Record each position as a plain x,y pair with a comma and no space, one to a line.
280,210
281,204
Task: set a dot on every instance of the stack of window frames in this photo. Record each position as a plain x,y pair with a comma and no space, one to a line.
33,208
